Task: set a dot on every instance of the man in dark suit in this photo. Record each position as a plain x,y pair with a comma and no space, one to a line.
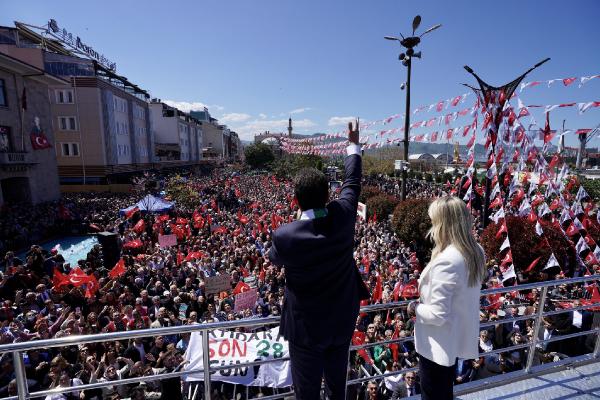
408,387
323,286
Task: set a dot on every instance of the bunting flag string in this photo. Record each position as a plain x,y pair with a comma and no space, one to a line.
565,81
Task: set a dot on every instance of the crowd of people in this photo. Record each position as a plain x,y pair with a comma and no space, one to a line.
226,233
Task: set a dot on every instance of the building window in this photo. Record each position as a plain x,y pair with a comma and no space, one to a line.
67,123
4,138
3,100
70,149
120,104
64,96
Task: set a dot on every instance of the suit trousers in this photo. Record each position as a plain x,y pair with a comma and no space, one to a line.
309,365
437,381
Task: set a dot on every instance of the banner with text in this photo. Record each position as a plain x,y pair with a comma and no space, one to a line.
228,349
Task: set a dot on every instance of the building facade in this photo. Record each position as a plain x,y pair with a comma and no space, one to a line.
28,169
178,136
101,120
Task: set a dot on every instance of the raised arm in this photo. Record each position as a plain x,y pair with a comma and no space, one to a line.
353,171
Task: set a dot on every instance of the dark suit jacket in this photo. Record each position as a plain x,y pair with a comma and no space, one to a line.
323,286
402,391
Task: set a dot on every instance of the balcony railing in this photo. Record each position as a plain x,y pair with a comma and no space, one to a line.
17,349
15,158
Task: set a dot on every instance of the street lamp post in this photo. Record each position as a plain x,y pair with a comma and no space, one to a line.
409,43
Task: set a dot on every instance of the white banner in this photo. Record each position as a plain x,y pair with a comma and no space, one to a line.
362,211
228,349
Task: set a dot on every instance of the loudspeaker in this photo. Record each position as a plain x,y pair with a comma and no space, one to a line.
111,250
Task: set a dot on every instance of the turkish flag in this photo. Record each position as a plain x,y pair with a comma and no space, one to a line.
91,286
140,227
358,338
503,229
497,202
134,244
241,287
195,255
39,141
410,290
533,264
77,277
118,270
59,279
378,291
572,230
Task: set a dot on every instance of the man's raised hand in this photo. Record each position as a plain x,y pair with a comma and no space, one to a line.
353,133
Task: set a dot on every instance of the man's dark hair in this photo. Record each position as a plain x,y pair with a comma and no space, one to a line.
311,188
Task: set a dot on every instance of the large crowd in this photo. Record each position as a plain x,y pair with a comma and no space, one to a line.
227,232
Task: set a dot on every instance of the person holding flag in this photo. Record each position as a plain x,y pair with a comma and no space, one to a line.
323,285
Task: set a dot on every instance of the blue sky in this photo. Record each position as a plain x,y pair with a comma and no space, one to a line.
254,63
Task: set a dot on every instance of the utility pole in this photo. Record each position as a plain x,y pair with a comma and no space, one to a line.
409,43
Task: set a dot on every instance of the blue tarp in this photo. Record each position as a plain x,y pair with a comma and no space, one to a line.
150,204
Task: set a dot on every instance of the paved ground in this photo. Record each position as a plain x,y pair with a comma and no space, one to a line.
571,384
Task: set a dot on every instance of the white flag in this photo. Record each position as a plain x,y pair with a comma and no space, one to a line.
581,246
509,273
505,244
581,194
538,228
552,262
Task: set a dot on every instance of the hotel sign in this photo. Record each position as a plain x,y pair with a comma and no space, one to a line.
75,43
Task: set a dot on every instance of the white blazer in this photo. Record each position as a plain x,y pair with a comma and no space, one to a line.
447,317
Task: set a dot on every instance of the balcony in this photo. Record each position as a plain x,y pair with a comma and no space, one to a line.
15,158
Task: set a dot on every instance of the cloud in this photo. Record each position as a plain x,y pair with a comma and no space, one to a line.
186,106
262,116
333,121
234,117
251,128
300,110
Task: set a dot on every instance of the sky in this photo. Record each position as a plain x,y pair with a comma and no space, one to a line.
256,63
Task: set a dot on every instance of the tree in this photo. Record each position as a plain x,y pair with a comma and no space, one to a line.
382,205
259,155
373,166
526,246
367,192
411,223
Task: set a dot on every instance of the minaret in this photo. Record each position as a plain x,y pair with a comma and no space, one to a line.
290,127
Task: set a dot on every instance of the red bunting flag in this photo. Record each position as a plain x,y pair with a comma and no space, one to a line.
503,229
572,230
532,265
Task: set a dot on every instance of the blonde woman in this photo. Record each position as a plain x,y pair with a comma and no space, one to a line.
447,313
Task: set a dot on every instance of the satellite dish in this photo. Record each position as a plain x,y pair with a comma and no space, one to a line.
416,23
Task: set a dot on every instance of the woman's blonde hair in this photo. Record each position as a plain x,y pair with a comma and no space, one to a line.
451,224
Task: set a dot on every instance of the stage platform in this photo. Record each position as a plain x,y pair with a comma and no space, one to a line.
576,383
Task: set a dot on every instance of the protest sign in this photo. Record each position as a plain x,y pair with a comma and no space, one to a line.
217,284
167,240
228,349
362,210
245,300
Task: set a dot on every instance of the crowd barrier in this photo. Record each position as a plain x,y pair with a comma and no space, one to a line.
17,349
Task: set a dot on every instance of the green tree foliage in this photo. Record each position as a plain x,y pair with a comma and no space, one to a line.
367,192
526,246
259,155
373,166
382,205
592,186
411,223
178,190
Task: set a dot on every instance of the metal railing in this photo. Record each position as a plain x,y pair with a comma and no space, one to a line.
17,349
